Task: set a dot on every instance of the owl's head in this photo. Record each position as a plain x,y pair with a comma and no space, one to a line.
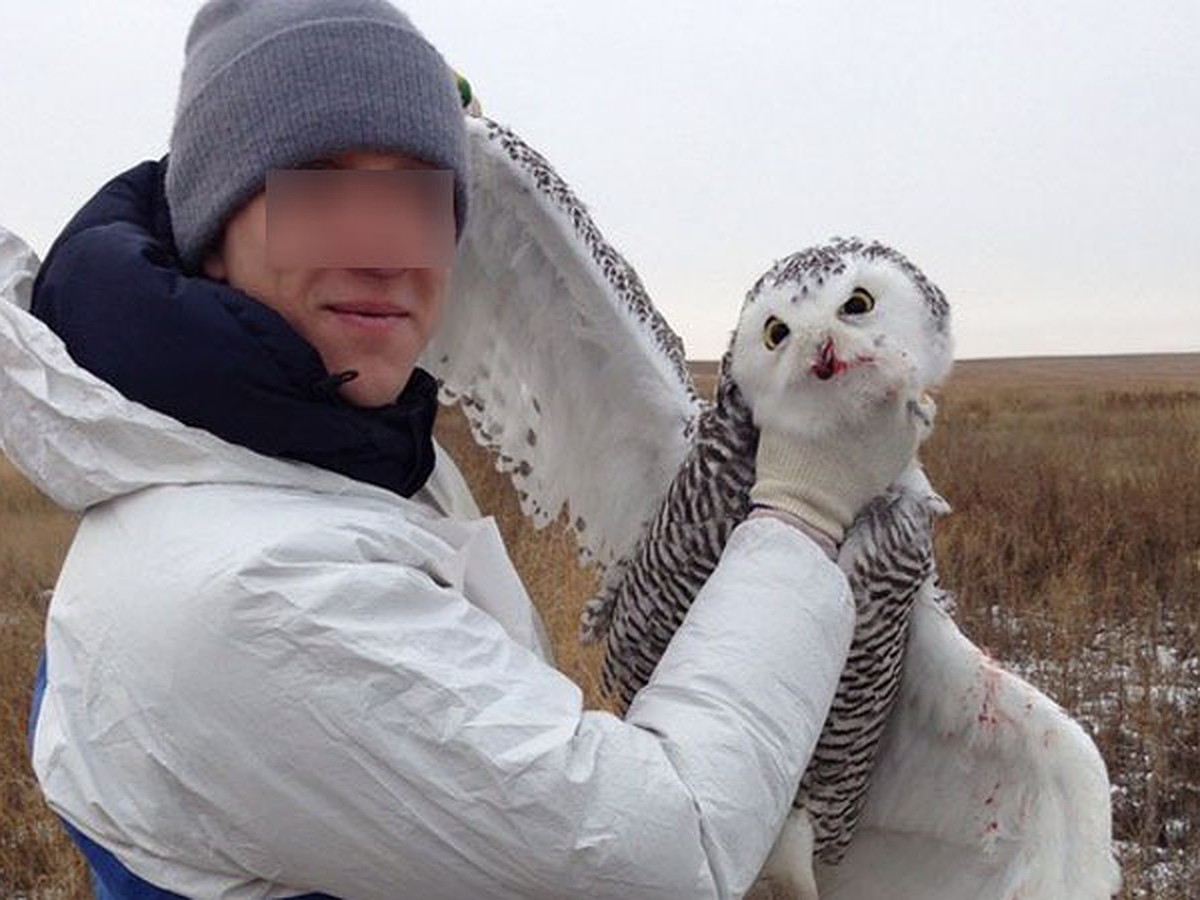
829,330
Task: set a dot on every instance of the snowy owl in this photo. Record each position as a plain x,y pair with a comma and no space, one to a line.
823,335
980,786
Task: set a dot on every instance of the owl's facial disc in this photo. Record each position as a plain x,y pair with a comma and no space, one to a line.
828,333
807,361
826,363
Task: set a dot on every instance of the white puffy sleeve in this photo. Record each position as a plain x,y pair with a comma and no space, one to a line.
363,730
18,266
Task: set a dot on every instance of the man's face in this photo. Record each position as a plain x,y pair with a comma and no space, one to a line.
375,321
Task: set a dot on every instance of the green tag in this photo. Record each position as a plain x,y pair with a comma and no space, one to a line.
464,90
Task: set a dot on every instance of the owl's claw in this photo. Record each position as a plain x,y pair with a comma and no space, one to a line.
788,872
923,409
593,625
938,505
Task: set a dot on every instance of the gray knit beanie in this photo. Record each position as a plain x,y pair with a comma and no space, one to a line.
270,84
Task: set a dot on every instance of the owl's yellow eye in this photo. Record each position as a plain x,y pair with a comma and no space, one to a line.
860,302
775,332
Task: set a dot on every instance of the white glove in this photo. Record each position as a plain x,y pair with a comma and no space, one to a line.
825,481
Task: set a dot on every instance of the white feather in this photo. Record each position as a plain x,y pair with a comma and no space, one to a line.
983,788
556,370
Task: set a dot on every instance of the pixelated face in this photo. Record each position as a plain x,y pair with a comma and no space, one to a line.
354,252
360,218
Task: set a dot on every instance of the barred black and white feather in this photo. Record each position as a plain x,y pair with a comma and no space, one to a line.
887,556
647,594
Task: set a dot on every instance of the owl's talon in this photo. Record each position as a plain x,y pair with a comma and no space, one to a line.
938,505
923,409
593,625
914,409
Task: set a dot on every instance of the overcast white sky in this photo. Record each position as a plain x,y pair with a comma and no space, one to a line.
1040,161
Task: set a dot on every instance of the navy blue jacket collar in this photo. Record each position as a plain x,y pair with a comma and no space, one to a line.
210,356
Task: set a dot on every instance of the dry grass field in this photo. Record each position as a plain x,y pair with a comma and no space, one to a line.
1074,551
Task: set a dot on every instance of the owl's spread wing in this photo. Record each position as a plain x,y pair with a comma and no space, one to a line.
18,266
560,361
983,787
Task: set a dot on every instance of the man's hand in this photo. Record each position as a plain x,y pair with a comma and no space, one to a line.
825,481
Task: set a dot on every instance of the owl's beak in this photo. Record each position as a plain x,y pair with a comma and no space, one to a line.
827,363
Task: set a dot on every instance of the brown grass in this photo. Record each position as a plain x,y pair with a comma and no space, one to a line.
35,858
1074,550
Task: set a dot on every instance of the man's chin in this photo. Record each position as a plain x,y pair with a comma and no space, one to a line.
373,389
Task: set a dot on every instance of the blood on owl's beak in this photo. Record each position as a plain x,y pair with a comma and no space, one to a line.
827,363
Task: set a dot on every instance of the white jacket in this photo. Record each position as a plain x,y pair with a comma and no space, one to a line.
266,679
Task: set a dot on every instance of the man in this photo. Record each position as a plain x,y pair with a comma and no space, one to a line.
269,671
